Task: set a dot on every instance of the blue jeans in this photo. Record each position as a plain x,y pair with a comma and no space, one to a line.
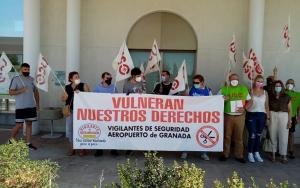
255,122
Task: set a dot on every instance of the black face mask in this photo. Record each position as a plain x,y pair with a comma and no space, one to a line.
108,82
25,74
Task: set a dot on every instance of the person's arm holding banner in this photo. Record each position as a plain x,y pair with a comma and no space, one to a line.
86,88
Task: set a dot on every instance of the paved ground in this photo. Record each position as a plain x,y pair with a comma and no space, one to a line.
84,171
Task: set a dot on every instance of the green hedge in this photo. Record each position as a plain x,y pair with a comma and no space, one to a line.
155,174
17,170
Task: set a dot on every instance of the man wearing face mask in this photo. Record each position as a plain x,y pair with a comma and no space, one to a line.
105,87
27,102
295,102
135,83
164,87
199,89
235,96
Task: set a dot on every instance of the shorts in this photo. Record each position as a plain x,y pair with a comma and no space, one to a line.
26,114
294,122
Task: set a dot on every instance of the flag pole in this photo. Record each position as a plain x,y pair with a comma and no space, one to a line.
115,84
58,81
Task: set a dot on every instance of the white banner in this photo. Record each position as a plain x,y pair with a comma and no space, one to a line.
148,122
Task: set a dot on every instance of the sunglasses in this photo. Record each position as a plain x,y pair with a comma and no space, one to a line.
196,82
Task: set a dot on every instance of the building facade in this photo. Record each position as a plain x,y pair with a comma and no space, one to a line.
85,35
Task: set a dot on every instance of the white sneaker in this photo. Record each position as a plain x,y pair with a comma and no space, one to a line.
251,158
204,157
258,157
184,155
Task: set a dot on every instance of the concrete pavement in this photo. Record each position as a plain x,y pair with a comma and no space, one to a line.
84,172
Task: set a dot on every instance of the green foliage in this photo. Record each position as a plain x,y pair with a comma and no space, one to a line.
235,181
185,176
155,174
17,170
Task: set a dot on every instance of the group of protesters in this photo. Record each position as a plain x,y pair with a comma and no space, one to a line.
274,106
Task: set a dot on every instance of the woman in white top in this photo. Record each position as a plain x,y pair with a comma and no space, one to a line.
257,113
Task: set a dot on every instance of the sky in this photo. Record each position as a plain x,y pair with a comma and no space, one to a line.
11,18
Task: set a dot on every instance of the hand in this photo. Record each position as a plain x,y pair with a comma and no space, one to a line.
275,70
268,122
37,107
225,98
76,91
289,125
23,89
65,96
240,110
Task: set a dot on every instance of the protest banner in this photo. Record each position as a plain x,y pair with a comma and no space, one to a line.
148,122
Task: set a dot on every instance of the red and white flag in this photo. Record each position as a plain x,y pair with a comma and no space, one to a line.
252,66
154,59
286,36
181,81
5,64
232,51
123,63
42,74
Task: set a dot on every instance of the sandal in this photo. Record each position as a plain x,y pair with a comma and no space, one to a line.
284,161
82,153
272,159
71,152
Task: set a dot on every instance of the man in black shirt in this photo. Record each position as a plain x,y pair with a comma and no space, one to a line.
163,88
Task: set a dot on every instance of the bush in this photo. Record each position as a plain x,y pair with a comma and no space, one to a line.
155,174
17,170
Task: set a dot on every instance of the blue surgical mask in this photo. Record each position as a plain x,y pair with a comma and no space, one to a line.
197,86
278,89
163,78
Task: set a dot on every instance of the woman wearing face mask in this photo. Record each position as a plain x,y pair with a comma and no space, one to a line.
75,86
295,97
257,113
280,120
199,89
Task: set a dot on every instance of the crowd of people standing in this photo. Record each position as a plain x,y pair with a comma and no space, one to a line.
274,107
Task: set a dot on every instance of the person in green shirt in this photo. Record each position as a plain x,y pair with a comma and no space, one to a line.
295,99
235,96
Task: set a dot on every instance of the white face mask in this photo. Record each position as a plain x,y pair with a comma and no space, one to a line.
290,86
138,79
77,81
234,83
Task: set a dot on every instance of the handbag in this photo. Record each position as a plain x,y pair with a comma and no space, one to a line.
67,109
267,145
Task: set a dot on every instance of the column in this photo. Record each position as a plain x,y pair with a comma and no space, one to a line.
31,42
31,38
256,26
73,36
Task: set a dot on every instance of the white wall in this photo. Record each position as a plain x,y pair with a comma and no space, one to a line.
213,21
106,24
